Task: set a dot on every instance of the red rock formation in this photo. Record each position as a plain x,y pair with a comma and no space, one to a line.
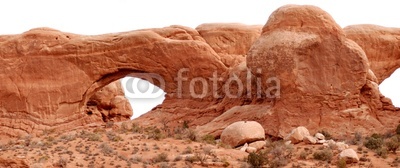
110,103
50,78
231,41
382,46
325,80
13,163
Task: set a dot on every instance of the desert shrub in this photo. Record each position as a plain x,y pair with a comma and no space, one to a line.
393,143
225,162
191,159
202,157
187,150
326,134
114,137
109,124
375,141
341,163
164,165
382,152
357,139
162,157
124,127
155,133
62,162
303,155
280,153
398,130
68,137
94,137
192,135
136,128
324,155
107,150
257,160
210,139
185,124
178,158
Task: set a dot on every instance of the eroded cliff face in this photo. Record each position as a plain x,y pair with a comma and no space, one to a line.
109,103
48,76
214,75
382,46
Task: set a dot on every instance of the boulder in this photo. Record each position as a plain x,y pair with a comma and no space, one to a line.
321,141
330,143
341,146
258,144
349,155
297,135
251,150
242,132
244,147
319,136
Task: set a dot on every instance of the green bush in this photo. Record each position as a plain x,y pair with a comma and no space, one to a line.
257,160
398,130
324,155
374,142
341,163
303,155
393,144
326,134
162,157
382,152
114,137
210,139
107,150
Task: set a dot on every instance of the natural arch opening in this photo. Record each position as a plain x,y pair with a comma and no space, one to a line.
142,95
390,87
118,95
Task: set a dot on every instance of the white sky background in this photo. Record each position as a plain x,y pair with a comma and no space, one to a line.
106,16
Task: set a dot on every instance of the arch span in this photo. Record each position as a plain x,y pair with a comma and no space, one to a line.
58,72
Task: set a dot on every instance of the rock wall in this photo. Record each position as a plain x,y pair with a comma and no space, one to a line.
110,103
381,44
321,78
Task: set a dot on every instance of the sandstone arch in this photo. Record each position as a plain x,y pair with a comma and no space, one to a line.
48,76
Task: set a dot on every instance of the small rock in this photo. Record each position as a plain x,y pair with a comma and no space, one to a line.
297,135
251,149
320,136
321,141
341,146
349,155
288,142
258,144
330,143
242,132
244,147
309,140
